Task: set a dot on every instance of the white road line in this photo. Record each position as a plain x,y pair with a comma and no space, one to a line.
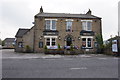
82,68
103,58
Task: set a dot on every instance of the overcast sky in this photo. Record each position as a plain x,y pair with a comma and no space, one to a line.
15,14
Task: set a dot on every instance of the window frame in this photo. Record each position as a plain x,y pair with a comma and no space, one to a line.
85,25
86,42
51,24
69,22
51,41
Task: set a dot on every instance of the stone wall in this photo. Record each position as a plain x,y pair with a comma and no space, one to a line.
61,27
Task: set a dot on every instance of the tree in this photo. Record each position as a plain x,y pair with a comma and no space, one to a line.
99,40
0,42
3,43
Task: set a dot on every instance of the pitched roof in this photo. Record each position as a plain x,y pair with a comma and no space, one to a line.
64,15
21,32
9,40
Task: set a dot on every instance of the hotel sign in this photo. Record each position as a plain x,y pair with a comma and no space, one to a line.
50,33
114,46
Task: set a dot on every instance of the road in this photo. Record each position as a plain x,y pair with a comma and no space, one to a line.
62,67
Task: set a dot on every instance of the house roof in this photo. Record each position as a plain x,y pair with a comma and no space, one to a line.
9,40
21,32
64,15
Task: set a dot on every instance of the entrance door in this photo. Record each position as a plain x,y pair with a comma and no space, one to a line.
69,41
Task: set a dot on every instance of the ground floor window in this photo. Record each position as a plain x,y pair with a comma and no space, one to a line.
20,44
50,41
86,42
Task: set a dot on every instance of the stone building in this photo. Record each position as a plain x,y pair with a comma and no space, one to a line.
9,43
51,29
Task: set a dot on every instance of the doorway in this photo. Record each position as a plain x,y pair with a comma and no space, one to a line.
68,41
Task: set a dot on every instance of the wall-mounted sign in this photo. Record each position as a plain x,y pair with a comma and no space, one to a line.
40,44
52,47
114,46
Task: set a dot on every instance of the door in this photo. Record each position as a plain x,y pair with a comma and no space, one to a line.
69,41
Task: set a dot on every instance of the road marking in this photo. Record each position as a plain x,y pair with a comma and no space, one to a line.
82,68
102,58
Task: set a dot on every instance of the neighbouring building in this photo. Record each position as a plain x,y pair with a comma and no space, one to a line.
9,43
51,29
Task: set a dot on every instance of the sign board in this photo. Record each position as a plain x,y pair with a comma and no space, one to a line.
52,47
114,46
40,44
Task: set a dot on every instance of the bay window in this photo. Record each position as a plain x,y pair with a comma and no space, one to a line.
86,42
50,40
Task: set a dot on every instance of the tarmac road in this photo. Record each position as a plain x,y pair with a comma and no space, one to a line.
42,66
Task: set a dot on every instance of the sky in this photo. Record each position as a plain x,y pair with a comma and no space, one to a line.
15,14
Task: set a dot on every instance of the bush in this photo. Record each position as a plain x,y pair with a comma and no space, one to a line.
71,48
59,48
45,48
28,48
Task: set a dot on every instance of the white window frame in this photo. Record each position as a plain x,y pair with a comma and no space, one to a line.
50,23
86,37
50,37
86,25
69,20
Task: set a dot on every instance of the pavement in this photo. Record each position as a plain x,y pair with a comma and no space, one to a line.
10,54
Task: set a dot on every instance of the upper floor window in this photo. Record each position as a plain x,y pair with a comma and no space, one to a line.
87,25
50,24
69,24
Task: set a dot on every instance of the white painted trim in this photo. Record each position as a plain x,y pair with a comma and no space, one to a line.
87,40
69,20
51,23
86,36
50,36
86,25
52,19
87,20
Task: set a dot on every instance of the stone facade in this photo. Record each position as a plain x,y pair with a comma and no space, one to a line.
9,43
51,29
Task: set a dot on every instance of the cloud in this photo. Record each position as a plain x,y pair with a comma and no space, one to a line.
20,13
